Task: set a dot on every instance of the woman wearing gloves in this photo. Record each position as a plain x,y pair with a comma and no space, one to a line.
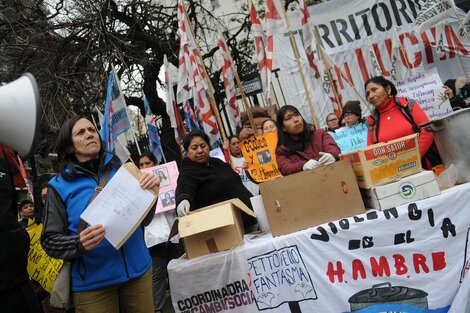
300,147
103,279
205,181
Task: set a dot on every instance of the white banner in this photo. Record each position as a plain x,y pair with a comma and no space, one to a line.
413,258
345,27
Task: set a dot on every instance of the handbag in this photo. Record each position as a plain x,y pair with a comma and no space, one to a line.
60,294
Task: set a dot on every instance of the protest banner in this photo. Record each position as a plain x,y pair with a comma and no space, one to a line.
345,29
431,13
351,138
217,153
259,152
41,267
396,260
426,89
168,175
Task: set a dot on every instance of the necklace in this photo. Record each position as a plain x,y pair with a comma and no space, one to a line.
389,113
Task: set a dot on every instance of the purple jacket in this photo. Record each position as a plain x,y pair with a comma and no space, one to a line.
320,141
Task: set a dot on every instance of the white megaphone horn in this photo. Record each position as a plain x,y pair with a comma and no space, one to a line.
20,115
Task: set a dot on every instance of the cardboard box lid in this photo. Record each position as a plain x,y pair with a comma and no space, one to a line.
207,218
380,144
394,188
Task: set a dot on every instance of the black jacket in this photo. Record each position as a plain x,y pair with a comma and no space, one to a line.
14,240
204,185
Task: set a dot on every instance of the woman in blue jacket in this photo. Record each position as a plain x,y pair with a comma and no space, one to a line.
103,279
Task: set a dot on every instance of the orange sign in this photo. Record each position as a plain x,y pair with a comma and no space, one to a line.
260,154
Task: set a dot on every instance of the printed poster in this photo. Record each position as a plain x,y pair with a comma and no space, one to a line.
168,174
260,154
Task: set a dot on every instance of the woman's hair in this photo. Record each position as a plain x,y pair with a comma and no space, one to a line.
284,138
163,174
231,137
380,80
269,120
64,145
194,134
149,156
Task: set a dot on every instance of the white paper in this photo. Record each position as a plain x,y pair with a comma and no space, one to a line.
119,207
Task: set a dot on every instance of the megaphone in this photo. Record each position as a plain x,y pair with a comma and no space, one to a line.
20,115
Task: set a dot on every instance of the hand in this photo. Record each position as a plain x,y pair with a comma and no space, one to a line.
148,181
326,158
91,236
226,144
310,165
183,208
448,92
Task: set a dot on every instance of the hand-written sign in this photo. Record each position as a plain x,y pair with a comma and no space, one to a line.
426,89
352,138
260,154
277,274
41,267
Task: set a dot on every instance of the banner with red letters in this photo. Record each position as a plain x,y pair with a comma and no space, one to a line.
414,258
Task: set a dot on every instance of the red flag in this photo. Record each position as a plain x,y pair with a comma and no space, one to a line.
274,20
260,45
229,81
308,38
191,74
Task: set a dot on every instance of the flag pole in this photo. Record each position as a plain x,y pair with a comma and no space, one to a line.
240,86
344,76
299,64
335,92
208,81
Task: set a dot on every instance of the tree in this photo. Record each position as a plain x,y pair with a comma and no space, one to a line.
70,47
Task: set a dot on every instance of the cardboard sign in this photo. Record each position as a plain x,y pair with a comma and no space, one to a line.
168,174
260,154
352,138
41,267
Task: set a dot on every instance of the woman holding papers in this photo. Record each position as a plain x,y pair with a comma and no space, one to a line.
204,181
103,279
299,146
395,117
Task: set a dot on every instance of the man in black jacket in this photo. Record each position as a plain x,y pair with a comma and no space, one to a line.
16,292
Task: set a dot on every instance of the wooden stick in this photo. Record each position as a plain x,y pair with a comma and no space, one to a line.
299,64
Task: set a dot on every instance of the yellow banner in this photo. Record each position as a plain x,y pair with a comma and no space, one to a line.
41,267
260,154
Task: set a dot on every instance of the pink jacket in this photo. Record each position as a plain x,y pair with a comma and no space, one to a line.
320,141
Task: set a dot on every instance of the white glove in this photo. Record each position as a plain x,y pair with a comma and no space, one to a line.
326,158
310,165
183,208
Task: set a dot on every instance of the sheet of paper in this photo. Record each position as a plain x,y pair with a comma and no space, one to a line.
119,207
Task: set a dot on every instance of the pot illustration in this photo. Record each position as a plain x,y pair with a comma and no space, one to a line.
384,293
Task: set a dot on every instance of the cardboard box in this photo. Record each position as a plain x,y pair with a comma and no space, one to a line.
311,198
384,163
409,189
211,229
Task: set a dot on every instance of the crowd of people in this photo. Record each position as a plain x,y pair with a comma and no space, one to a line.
134,278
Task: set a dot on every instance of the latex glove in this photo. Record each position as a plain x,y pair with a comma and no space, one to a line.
326,158
310,165
183,208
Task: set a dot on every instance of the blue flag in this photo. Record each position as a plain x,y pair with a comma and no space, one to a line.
154,138
116,120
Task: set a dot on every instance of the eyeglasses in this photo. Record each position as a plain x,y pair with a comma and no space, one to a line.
333,119
348,114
